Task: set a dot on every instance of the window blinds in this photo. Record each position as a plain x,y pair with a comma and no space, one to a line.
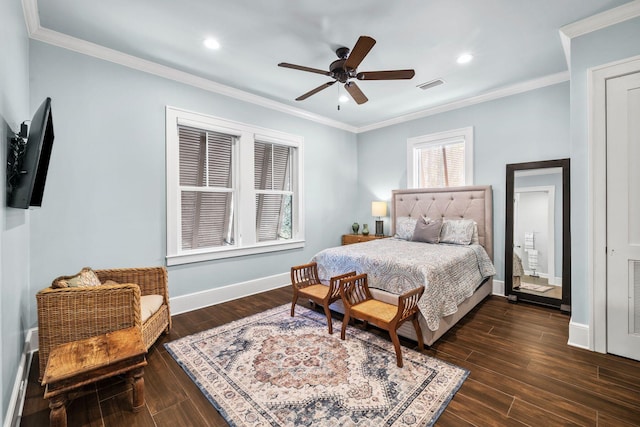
442,165
206,185
272,176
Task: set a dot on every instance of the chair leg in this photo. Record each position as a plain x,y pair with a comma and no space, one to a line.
327,312
293,304
396,344
418,329
345,321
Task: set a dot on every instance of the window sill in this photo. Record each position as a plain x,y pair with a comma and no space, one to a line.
232,252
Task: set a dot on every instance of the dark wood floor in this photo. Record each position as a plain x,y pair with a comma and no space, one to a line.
522,373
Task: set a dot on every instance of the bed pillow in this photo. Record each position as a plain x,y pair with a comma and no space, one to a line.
475,239
457,231
404,227
427,230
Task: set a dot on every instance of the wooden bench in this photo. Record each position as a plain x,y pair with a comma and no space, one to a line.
75,364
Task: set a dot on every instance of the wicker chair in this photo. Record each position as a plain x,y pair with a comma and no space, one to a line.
71,314
359,304
306,284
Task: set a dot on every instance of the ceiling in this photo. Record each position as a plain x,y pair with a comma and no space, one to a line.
513,42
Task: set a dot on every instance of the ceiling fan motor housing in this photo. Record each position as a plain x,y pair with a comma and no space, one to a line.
338,71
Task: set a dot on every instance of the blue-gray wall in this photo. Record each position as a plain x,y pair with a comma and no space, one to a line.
600,47
16,299
104,204
526,127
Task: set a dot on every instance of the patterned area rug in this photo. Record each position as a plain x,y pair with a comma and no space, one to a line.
271,369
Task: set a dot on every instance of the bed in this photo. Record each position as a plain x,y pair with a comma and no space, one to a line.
456,276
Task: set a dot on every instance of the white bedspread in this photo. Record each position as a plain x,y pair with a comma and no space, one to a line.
450,273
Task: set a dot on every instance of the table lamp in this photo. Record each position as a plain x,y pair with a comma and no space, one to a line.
379,209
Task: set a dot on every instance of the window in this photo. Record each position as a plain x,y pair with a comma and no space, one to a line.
443,159
232,189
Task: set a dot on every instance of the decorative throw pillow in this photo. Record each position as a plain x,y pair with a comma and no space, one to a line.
404,227
86,277
457,231
427,230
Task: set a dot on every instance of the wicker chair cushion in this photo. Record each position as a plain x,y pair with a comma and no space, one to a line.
149,304
318,291
86,277
375,308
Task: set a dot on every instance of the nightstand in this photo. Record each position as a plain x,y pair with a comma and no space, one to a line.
348,239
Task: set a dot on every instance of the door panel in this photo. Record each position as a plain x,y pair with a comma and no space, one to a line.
623,215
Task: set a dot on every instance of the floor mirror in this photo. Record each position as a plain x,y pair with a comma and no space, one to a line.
538,233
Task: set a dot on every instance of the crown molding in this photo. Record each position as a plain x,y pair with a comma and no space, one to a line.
596,22
587,25
31,17
489,96
45,35
602,20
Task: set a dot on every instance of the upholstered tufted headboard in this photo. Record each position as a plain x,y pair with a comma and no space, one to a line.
473,202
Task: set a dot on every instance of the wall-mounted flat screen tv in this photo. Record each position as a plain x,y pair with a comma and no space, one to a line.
33,162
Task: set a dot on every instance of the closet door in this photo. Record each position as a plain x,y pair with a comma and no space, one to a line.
623,215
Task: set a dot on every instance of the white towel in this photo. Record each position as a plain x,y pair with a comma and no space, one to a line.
532,258
529,240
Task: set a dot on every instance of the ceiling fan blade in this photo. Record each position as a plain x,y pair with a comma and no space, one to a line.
386,75
314,91
303,68
359,51
355,92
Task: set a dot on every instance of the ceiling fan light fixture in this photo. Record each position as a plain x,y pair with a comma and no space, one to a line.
343,99
211,43
464,58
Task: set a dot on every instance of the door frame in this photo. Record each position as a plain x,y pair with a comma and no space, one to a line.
597,191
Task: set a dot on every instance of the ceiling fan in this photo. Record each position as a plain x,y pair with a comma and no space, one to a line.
346,68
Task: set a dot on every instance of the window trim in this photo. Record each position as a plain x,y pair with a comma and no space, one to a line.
244,226
465,134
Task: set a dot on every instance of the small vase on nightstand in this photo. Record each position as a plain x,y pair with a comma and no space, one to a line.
365,229
355,227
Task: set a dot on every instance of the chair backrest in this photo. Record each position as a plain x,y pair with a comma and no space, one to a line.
354,290
334,284
408,302
305,275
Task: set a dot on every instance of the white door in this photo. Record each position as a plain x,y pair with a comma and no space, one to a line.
623,215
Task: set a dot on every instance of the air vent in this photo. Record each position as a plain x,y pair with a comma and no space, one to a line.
432,83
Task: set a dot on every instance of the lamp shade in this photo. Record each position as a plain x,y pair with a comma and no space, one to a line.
378,208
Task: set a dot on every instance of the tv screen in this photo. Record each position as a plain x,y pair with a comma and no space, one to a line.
34,162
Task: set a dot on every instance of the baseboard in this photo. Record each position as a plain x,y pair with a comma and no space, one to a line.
190,302
498,287
16,403
579,335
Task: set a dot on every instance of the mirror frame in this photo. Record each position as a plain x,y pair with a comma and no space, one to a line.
563,304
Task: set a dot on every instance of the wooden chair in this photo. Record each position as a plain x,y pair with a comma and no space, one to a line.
359,304
306,284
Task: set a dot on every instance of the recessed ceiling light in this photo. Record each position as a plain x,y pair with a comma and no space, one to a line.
464,58
211,43
343,98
